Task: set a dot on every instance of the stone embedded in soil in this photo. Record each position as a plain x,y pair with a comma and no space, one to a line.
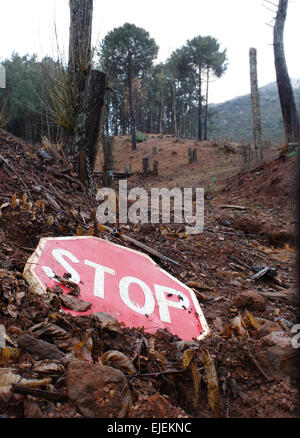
267,328
276,355
98,391
250,300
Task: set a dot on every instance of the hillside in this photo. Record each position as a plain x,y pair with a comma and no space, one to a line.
233,118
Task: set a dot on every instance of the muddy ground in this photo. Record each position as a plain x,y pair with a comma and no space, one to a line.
245,368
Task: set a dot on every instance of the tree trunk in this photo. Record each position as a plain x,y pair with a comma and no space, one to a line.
79,63
285,91
131,108
80,54
90,117
174,110
108,168
256,120
206,106
199,106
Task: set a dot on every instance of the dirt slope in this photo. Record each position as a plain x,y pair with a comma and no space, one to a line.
255,370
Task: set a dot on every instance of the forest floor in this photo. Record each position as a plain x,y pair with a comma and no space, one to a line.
245,368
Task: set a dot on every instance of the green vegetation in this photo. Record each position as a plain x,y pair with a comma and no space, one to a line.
233,118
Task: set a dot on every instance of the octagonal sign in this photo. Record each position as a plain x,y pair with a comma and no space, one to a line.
120,281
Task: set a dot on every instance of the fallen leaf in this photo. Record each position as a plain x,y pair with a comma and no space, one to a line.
118,360
8,354
74,303
188,356
108,321
212,383
250,320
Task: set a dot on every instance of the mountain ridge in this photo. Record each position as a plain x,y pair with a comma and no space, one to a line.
232,119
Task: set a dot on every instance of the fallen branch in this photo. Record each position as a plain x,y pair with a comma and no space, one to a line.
236,207
11,168
139,244
159,373
254,361
69,178
39,393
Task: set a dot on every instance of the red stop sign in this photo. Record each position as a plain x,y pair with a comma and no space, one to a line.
120,281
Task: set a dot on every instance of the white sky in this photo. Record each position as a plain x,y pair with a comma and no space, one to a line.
27,26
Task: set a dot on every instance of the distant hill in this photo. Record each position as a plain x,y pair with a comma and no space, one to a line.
233,118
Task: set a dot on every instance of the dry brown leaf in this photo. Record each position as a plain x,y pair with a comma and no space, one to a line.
7,379
50,220
49,366
212,383
188,356
79,231
74,303
12,310
15,202
40,204
8,354
59,336
118,360
83,349
91,231
250,320
239,328
197,382
153,352
108,321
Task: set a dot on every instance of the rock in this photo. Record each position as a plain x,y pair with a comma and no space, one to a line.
277,354
250,300
98,391
268,328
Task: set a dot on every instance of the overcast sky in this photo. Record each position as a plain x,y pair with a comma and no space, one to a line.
27,26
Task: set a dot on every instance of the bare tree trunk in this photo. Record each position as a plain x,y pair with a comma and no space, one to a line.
200,106
286,95
256,120
108,167
80,55
131,108
206,105
175,110
89,119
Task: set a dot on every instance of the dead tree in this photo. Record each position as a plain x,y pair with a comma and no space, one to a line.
88,121
256,119
285,91
88,87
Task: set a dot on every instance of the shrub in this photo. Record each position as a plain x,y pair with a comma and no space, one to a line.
140,137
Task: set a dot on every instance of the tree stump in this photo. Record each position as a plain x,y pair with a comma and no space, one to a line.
146,166
155,167
190,155
195,157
